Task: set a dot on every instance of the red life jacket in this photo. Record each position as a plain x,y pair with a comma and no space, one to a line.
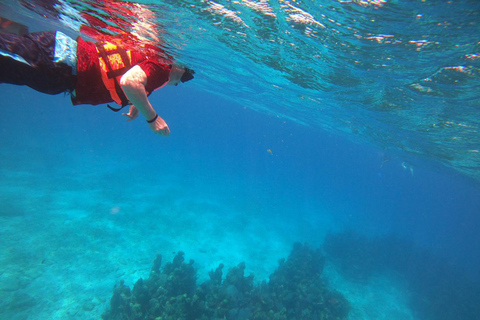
90,87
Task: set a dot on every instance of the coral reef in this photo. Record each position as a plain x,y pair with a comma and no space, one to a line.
295,291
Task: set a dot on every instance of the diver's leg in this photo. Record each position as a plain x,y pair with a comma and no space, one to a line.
28,60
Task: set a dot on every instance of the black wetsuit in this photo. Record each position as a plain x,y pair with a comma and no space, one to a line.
41,73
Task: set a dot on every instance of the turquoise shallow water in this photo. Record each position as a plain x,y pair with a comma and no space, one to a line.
262,154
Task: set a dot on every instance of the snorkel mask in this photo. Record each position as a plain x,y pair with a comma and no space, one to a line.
187,75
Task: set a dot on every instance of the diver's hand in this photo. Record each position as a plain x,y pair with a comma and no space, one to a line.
159,126
132,113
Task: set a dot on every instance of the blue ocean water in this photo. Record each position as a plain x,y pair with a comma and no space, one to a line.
353,122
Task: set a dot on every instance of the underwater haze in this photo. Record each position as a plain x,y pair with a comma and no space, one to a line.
330,146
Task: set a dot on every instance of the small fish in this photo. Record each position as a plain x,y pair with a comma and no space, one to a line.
385,160
270,151
405,166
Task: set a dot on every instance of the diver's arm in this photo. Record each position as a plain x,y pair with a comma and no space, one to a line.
133,84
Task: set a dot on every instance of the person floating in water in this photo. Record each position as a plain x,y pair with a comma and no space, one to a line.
93,73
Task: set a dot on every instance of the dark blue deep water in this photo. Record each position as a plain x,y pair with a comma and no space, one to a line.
351,127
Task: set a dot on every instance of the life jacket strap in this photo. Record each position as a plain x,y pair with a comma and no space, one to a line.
114,74
114,109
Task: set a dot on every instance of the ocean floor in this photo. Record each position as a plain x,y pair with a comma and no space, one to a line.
69,233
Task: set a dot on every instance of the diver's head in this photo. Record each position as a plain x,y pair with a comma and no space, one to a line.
180,74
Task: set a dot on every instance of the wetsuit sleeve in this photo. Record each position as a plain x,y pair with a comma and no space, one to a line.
157,73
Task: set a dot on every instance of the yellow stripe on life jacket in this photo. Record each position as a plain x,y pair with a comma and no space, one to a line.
114,62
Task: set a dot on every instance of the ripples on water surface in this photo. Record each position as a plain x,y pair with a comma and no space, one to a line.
403,75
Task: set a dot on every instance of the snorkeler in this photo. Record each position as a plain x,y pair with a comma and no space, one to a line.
93,73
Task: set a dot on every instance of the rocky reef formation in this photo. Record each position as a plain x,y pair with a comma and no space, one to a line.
295,291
